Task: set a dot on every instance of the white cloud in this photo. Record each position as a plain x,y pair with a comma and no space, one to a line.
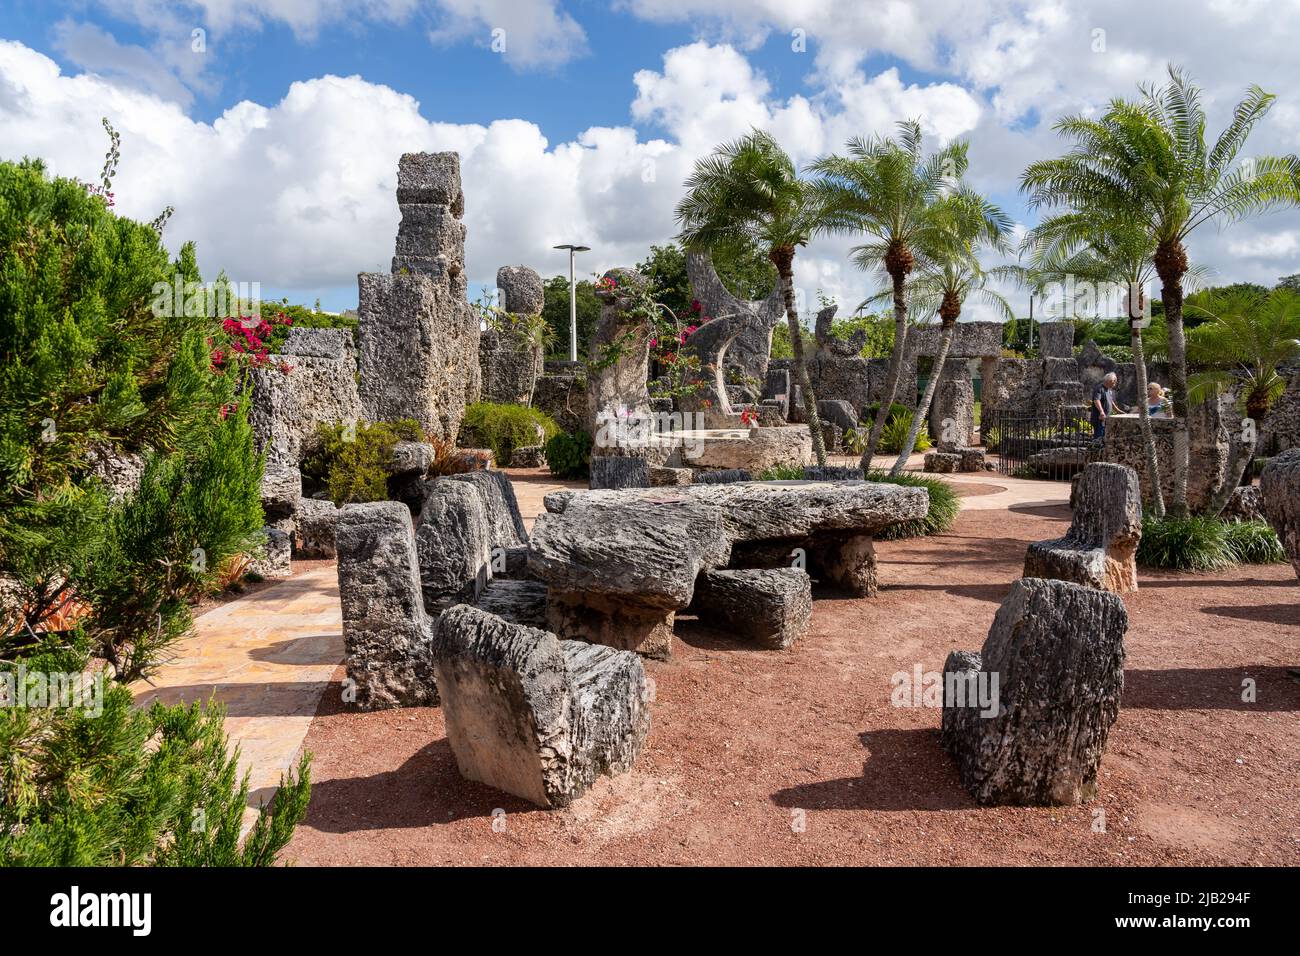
535,33
299,194
97,51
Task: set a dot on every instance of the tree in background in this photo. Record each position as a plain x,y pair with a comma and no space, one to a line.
1148,162
1246,339
952,274
555,310
1073,247
749,191
745,270
888,191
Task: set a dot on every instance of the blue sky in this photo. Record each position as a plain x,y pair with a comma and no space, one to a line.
294,191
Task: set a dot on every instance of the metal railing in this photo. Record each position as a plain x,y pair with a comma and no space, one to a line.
1052,444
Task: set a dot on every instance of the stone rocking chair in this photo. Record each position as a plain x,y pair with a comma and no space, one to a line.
533,715
1100,548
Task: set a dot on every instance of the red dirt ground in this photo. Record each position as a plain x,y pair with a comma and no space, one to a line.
743,740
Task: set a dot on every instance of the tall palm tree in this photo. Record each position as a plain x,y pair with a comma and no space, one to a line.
1073,246
1248,338
888,190
970,224
750,189
1148,162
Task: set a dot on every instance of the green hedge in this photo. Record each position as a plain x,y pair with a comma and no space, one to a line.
1200,543
350,462
943,511
569,455
503,428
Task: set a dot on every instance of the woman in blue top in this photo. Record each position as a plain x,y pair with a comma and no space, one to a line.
1155,400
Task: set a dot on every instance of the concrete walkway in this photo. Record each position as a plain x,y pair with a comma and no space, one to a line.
270,656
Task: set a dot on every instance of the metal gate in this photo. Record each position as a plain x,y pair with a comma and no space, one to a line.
1053,445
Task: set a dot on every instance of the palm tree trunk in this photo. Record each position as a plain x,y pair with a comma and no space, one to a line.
1172,295
800,364
923,410
1144,418
891,376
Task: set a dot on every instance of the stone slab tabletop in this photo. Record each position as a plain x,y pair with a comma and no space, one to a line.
647,545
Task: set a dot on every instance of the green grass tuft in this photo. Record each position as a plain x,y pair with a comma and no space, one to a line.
1196,543
1254,542
944,506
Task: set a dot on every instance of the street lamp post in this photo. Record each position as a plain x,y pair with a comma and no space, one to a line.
573,301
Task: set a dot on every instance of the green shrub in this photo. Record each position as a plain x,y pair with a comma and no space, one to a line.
895,432
1253,542
1195,543
503,428
1120,353
943,511
106,784
95,365
895,408
569,455
90,363
350,462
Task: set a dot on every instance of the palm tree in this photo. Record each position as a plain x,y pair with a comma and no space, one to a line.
1147,162
950,278
1073,246
1248,338
886,189
750,189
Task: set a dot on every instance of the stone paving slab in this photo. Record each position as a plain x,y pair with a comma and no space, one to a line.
268,657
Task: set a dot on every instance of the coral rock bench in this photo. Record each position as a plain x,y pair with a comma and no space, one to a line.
1036,737
533,715
959,458
772,608
1100,548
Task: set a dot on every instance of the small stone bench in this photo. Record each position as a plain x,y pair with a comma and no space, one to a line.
1027,719
314,524
1100,548
532,715
972,457
942,462
610,471
771,607
516,602
960,458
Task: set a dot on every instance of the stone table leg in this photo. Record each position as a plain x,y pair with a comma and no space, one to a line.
848,563
598,620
